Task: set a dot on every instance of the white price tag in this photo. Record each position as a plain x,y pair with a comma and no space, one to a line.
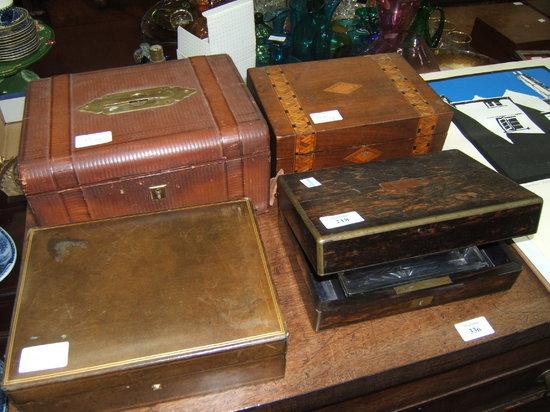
44,357
343,219
325,117
542,20
474,329
277,38
518,3
310,182
92,139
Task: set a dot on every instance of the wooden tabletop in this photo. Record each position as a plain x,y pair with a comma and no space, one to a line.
337,364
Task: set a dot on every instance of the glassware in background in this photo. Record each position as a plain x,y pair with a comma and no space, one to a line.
159,25
310,28
278,43
419,55
268,6
456,40
433,26
262,35
364,31
423,20
198,27
346,9
142,55
340,43
395,17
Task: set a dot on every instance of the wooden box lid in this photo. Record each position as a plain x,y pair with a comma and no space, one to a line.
379,98
360,215
512,27
156,296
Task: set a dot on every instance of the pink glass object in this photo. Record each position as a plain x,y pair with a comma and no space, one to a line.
395,16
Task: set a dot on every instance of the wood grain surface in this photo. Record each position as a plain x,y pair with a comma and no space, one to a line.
409,207
326,367
405,110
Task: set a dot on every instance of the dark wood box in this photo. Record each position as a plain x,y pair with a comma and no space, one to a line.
137,310
141,139
396,209
328,305
515,27
386,111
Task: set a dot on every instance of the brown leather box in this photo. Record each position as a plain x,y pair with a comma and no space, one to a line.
140,139
350,110
136,310
395,235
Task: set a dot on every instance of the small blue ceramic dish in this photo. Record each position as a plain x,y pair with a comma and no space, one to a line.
11,15
8,254
3,399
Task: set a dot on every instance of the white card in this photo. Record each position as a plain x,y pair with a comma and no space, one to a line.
277,38
44,357
517,3
343,219
310,182
325,117
474,329
92,139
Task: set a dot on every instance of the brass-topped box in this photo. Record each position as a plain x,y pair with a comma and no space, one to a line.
137,310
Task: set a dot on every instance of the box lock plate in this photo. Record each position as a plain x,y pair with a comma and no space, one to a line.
420,302
157,192
135,100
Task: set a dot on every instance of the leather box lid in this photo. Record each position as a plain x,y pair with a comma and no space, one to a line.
380,98
403,208
145,291
218,121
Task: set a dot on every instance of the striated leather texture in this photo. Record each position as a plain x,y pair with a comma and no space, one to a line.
219,123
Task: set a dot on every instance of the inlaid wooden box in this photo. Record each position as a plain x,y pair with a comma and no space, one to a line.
140,139
350,110
129,311
390,236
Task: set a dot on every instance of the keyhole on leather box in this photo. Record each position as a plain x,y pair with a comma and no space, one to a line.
138,102
157,192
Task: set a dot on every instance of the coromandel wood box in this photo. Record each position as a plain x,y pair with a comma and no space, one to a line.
350,110
389,236
142,139
136,310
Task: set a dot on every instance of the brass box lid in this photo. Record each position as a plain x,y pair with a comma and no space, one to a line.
142,291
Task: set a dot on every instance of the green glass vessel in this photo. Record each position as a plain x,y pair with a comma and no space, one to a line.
420,24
